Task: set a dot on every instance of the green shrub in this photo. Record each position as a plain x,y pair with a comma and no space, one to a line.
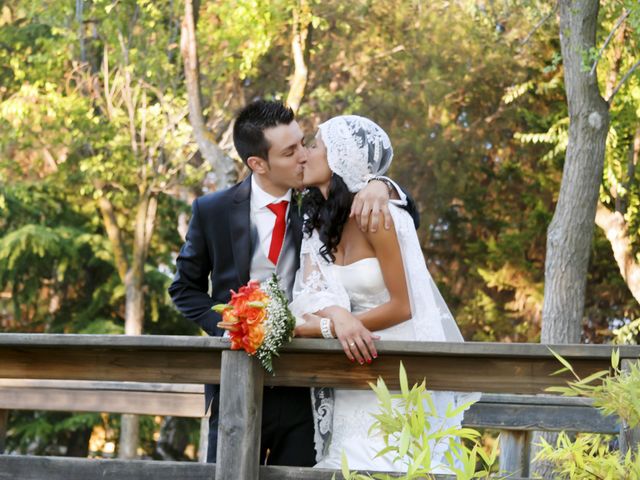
406,422
590,456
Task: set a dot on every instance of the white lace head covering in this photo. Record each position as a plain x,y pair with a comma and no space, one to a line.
357,149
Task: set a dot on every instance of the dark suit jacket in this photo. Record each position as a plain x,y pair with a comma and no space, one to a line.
218,246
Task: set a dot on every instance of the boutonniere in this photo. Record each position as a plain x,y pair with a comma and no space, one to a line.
299,197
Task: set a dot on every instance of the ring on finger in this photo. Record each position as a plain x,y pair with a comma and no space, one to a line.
351,344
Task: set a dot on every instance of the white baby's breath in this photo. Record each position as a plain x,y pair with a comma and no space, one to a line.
278,325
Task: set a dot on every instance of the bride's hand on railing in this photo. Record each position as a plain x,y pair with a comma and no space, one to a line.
356,339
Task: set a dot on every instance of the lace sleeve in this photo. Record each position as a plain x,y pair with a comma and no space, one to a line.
315,287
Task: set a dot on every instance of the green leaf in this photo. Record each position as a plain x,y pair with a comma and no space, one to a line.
615,358
563,361
404,383
592,377
221,307
405,437
345,467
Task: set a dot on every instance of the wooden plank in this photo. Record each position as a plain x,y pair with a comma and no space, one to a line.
126,342
514,453
629,438
499,368
528,412
113,401
96,385
475,349
4,424
20,467
80,363
174,342
499,374
533,400
14,467
513,412
241,388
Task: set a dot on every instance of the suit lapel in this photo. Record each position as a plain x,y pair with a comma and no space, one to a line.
240,229
295,224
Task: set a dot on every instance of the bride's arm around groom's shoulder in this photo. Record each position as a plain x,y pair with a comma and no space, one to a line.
371,204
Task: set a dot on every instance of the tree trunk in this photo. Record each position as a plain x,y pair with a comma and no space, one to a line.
298,81
134,305
134,280
570,233
615,228
222,164
571,230
80,20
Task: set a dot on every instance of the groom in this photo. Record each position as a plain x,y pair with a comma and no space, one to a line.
250,231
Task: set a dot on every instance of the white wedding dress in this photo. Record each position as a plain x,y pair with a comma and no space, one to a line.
343,417
353,409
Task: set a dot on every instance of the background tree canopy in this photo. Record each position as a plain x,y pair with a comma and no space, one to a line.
98,159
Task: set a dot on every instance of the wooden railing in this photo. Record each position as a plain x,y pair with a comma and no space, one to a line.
485,367
515,416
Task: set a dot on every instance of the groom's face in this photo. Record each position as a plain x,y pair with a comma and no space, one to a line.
287,156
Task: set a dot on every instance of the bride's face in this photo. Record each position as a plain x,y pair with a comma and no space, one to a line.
316,171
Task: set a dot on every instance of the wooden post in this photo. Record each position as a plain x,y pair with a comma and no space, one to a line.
240,420
629,437
204,439
514,452
4,421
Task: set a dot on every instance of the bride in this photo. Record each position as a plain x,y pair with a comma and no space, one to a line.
352,283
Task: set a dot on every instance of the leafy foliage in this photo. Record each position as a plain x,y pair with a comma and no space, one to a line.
590,455
406,423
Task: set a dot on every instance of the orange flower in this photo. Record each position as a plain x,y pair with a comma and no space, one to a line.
243,317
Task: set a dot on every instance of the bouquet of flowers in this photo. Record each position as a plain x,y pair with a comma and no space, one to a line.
258,320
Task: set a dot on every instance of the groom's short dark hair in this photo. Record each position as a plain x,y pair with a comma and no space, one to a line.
251,122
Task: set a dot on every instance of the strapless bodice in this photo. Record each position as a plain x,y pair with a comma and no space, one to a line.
364,282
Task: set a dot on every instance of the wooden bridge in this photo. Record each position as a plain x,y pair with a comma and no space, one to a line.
56,372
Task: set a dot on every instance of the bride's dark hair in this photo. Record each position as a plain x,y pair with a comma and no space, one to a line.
328,216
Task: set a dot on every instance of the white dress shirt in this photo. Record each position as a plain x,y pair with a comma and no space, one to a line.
263,218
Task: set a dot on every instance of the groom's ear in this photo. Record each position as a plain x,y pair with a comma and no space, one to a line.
258,164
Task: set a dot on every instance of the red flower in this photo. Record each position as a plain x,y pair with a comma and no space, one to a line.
243,317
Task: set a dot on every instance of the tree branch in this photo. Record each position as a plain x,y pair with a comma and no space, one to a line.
301,23
108,93
539,24
622,82
80,20
616,230
622,18
115,236
223,165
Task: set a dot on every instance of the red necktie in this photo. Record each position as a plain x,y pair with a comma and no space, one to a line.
277,237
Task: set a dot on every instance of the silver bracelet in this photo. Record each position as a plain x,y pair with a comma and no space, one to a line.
387,182
325,327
